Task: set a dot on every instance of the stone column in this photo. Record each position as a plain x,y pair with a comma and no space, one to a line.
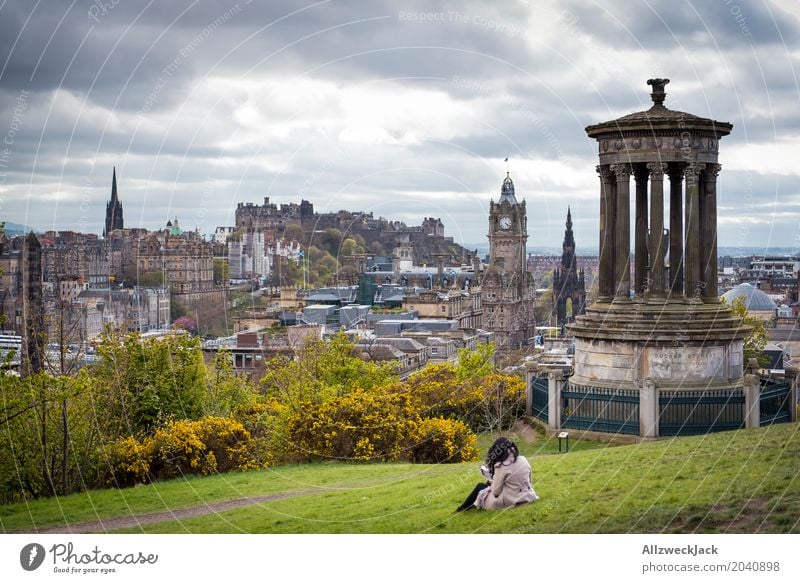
675,230
648,409
622,234
708,218
691,249
656,228
752,397
555,381
640,242
607,216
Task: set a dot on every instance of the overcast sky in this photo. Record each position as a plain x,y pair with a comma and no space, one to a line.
406,109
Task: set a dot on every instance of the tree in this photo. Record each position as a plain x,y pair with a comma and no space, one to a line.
330,241
148,381
185,323
323,370
756,341
294,232
227,391
68,336
221,271
153,279
475,363
543,309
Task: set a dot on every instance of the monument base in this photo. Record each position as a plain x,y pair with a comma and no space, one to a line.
685,345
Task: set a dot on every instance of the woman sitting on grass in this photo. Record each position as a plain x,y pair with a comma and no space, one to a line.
509,482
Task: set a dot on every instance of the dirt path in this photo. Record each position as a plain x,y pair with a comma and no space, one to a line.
111,524
106,525
525,432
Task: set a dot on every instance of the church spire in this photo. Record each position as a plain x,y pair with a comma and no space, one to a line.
114,186
569,237
113,208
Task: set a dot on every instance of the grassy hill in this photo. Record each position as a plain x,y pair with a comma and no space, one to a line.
743,481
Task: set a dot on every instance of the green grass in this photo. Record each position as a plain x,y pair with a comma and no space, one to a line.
742,481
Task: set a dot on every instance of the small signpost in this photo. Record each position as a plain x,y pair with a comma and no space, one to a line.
565,436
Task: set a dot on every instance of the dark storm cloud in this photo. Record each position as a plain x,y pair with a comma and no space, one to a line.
688,23
119,53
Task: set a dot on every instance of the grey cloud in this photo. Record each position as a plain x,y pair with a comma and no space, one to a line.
655,25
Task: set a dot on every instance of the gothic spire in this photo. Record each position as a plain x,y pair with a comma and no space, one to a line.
569,237
113,208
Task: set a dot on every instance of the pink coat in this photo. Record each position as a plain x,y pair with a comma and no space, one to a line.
511,486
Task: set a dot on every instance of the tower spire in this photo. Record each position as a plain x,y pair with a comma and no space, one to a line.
113,208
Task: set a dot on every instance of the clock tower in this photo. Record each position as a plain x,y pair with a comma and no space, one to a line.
507,290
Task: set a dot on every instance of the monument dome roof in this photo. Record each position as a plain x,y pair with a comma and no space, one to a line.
659,118
755,300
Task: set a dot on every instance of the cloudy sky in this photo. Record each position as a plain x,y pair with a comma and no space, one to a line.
406,109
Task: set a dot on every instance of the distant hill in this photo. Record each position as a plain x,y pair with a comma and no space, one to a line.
14,229
747,251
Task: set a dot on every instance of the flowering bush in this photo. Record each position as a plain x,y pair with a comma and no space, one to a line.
487,402
205,446
440,440
364,425
127,462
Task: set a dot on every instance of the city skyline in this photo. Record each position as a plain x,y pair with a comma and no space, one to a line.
401,110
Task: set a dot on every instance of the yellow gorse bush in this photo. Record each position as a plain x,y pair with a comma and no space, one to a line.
440,440
206,446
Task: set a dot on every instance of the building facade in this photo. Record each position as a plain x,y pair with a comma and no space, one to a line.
185,259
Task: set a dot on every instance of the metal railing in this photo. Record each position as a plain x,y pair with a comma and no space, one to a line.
774,402
699,412
600,409
539,405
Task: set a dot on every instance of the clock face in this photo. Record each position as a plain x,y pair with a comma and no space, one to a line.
505,223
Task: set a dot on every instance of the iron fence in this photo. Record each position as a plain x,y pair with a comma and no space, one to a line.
699,412
775,401
600,409
540,390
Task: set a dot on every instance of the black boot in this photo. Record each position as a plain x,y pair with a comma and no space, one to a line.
469,503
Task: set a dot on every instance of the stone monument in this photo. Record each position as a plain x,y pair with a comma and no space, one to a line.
666,329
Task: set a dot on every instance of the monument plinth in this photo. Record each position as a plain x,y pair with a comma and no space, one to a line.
666,329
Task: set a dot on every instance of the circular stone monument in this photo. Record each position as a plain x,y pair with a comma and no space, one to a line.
666,329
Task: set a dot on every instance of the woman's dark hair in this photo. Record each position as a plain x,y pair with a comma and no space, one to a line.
500,451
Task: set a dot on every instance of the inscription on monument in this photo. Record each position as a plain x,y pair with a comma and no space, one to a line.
685,363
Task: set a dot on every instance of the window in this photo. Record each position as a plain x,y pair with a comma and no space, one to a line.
434,350
444,309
